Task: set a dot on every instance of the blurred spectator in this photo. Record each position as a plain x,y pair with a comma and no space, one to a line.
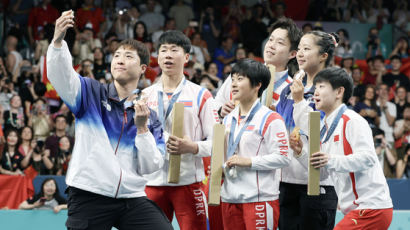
12,161
6,93
48,198
41,45
343,48
14,118
232,20
253,30
332,12
62,159
209,28
395,78
376,71
113,44
19,11
199,50
52,142
122,24
388,112
169,25
402,135
358,87
212,72
367,107
13,57
40,120
86,68
133,14
26,136
226,72
279,10
40,16
40,158
381,14
347,64
84,45
401,48
140,32
154,20
386,155
240,53
206,82
91,16
100,67
374,45
307,27
400,100
3,71
401,14
108,39
157,6
224,54
182,14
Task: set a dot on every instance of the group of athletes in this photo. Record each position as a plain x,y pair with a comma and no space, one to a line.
119,167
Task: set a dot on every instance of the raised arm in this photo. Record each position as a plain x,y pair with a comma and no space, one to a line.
60,71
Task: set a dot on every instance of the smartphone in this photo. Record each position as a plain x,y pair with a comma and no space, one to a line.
193,23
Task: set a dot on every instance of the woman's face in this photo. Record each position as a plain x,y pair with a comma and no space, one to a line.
12,139
49,188
213,69
140,30
26,134
64,144
98,54
308,56
15,102
369,95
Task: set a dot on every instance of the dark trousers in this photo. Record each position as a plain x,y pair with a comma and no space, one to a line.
299,211
91,211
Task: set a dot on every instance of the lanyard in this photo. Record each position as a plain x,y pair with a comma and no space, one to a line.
280,81
161,114
275,87
333,126
233,145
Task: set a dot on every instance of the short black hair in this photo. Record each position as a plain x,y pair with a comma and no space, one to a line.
378,57
255,71
294,33
337,77
60,116
376,131
175,37
138,46
395,57
326,42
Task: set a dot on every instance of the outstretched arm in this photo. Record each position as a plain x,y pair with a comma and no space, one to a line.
60,71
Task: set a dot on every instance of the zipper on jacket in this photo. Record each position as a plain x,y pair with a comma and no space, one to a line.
124,121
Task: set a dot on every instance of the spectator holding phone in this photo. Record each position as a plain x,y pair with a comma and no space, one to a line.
48,198
387,157
63,156
40,120
40,158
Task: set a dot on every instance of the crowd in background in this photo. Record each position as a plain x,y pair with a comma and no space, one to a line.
37,129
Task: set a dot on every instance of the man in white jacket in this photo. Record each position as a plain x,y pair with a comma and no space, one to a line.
118,139
348,157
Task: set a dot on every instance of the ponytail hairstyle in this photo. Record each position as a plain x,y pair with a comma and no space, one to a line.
327,43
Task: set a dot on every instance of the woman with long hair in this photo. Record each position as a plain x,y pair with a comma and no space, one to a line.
12,160
315,52
368,108
48,198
